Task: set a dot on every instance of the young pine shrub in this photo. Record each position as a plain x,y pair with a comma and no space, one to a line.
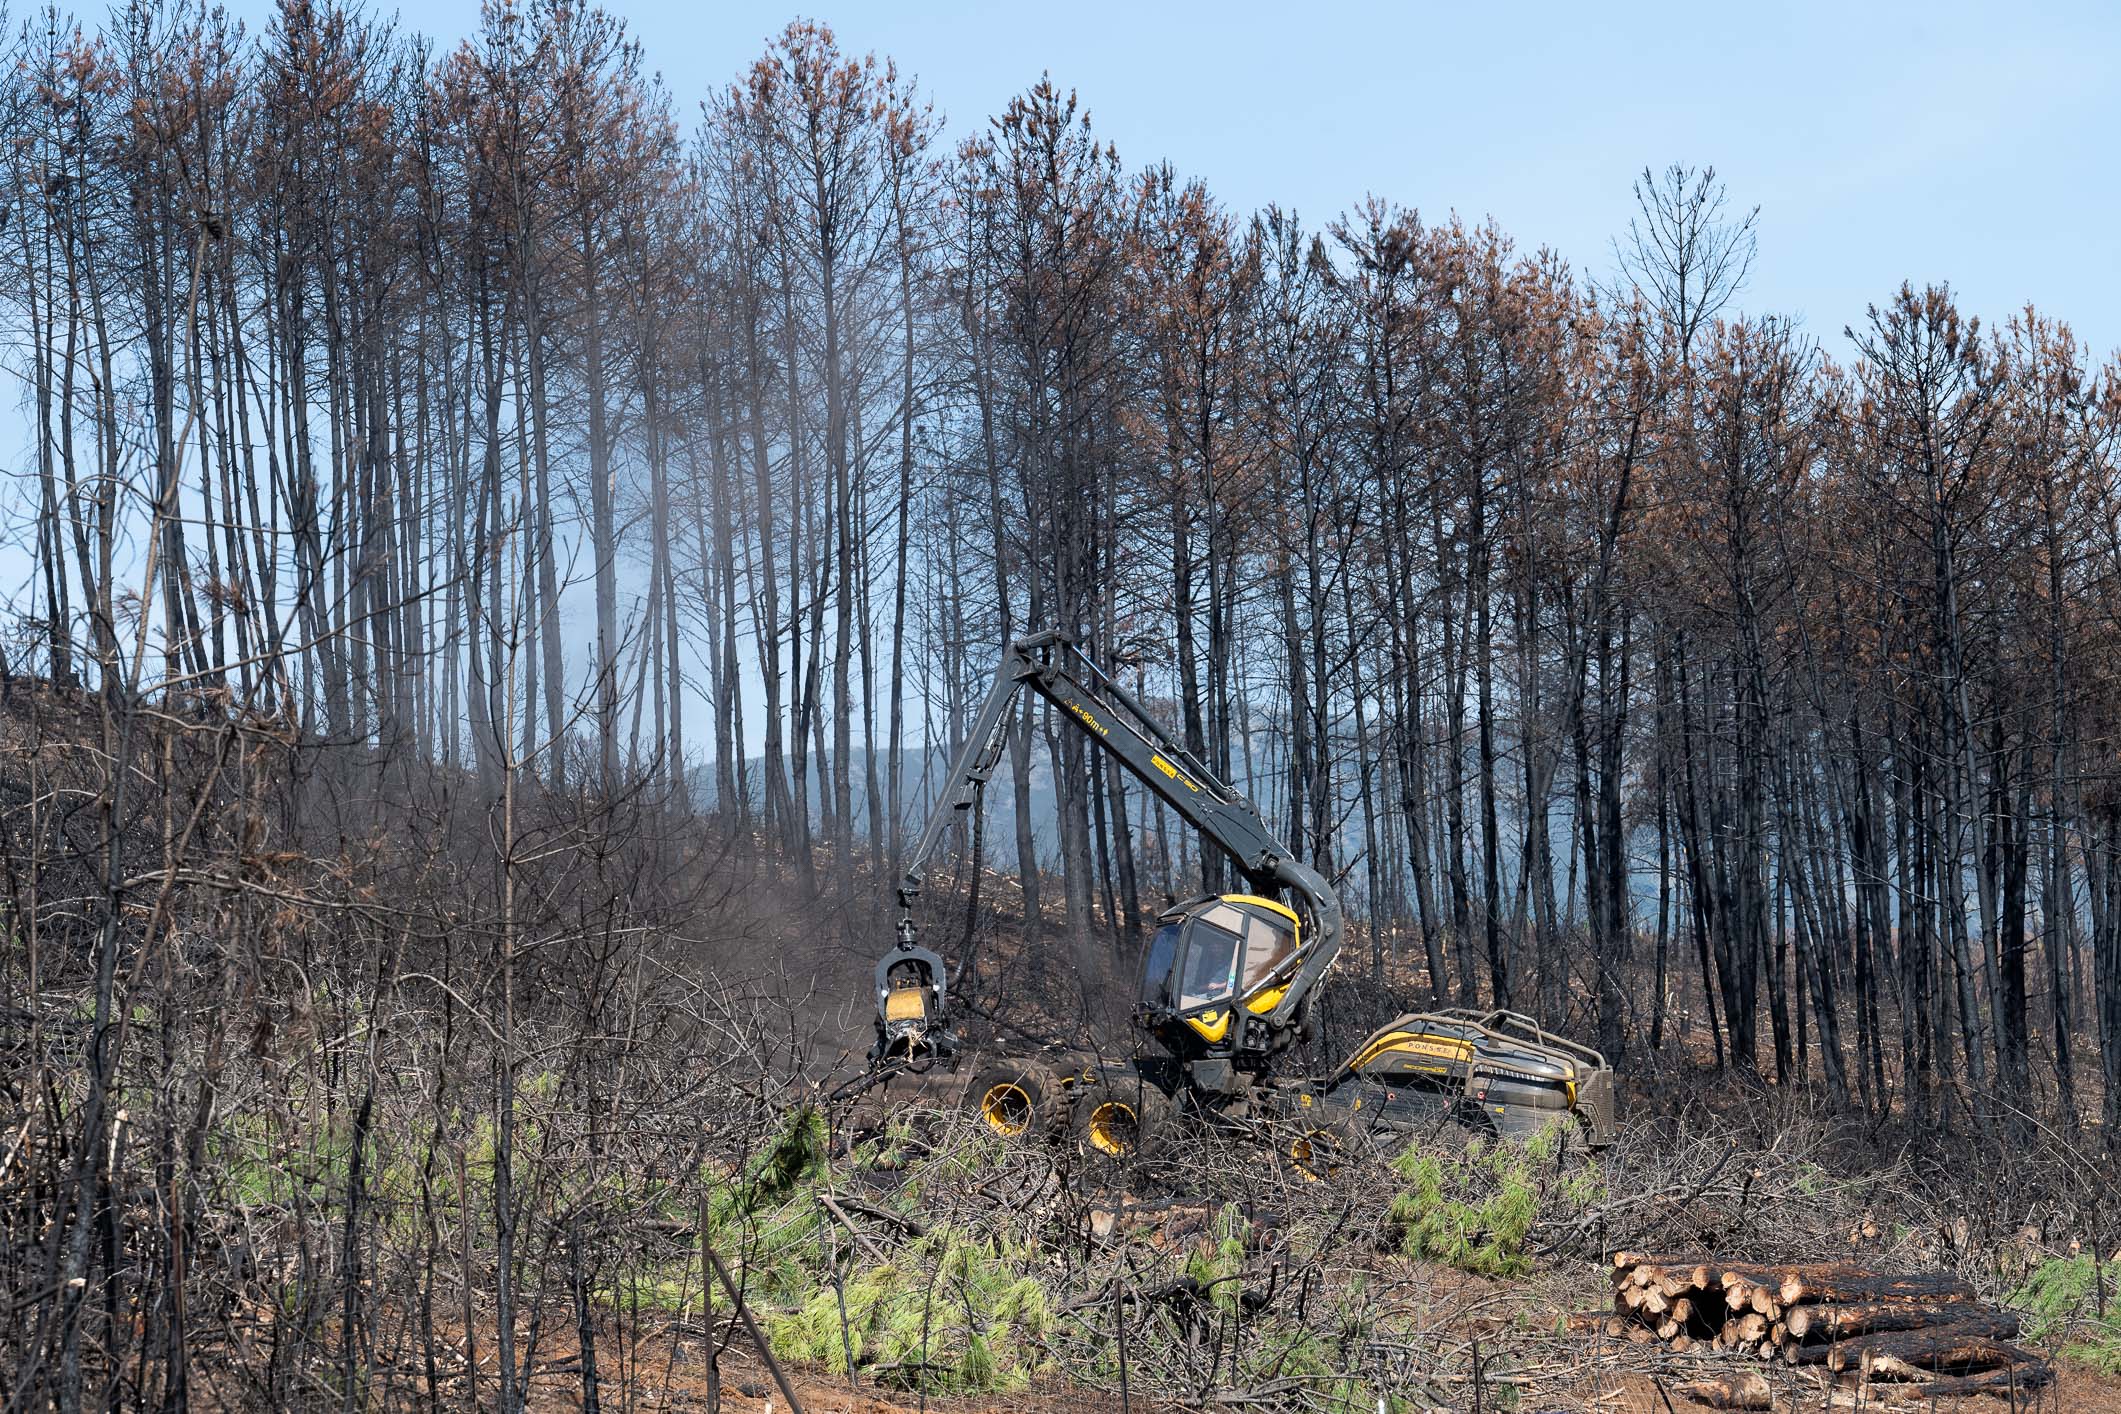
953,1314
1475,1209
1216,1265
765,1218
2076,1302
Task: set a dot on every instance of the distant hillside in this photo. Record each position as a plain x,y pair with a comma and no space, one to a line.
921,779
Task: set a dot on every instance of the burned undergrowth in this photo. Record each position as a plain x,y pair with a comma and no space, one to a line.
379,1126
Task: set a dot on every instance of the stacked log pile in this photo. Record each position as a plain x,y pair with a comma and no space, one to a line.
1927,1330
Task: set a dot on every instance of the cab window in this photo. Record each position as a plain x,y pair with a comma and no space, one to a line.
1211,966
1156,968
1268,944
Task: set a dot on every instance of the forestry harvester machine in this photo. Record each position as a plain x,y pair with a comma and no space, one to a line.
1227,983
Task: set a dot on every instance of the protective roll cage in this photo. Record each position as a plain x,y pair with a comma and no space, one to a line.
1224,975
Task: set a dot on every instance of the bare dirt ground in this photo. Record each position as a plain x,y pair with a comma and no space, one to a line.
748,1388
669,1372
2075,1391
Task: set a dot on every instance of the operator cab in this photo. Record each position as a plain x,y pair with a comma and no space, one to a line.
1214,970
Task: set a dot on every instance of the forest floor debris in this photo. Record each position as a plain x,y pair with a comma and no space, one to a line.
976,1267
351,1161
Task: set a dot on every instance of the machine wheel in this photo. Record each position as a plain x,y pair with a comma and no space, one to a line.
1319,1150
1121,1118
1016,1099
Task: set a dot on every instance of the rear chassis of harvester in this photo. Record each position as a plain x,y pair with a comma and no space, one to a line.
1488,1072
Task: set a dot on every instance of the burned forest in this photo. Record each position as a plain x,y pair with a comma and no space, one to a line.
499,568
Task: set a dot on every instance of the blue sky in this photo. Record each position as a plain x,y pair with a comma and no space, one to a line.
1923,142
1969,143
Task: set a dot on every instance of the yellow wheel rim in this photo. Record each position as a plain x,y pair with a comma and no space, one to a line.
1114,1129
1006,1108
1314,1154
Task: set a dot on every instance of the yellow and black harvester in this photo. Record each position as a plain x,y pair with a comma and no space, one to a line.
1227,982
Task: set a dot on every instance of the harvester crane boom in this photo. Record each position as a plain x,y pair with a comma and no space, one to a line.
1051,665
